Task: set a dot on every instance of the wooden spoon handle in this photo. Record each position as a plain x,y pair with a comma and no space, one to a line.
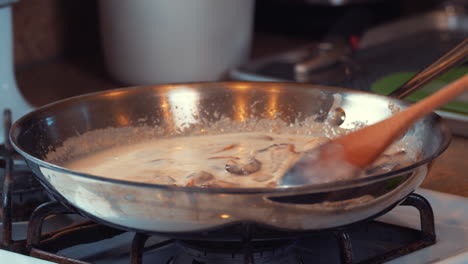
362,147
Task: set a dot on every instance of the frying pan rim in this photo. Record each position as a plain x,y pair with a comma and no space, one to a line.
310,188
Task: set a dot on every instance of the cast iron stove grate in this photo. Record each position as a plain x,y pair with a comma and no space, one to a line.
20,192
368,241
365,242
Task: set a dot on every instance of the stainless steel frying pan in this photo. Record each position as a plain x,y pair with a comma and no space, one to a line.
169,209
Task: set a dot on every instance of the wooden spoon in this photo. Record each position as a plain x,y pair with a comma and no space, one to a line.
344,157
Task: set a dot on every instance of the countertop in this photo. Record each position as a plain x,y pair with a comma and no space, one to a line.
61,78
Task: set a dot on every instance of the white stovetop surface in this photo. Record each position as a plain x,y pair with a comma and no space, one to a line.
451,217
451,220
14,258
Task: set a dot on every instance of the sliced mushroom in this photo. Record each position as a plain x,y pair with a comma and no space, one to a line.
282,157
224,157
272,184
220,184
314,143
262,177
200,177
226,148
155,161
273,146
251,165
165,180
262,137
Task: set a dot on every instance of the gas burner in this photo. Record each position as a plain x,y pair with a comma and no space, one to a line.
27,192
260,252
369,241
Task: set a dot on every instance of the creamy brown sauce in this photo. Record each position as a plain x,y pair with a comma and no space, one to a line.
251,159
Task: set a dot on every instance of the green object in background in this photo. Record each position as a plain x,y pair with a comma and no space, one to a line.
391,82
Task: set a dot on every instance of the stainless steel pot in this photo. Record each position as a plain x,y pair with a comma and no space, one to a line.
169,209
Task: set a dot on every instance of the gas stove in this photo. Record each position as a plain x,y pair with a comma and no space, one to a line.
37,229
53,233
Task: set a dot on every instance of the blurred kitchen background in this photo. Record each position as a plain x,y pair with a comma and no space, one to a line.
58,50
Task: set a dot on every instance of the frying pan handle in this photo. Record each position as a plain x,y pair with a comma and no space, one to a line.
449,60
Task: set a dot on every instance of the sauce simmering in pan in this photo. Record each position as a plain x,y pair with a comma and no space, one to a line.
251,159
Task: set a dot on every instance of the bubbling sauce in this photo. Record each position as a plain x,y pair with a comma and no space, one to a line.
241,159
252,159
